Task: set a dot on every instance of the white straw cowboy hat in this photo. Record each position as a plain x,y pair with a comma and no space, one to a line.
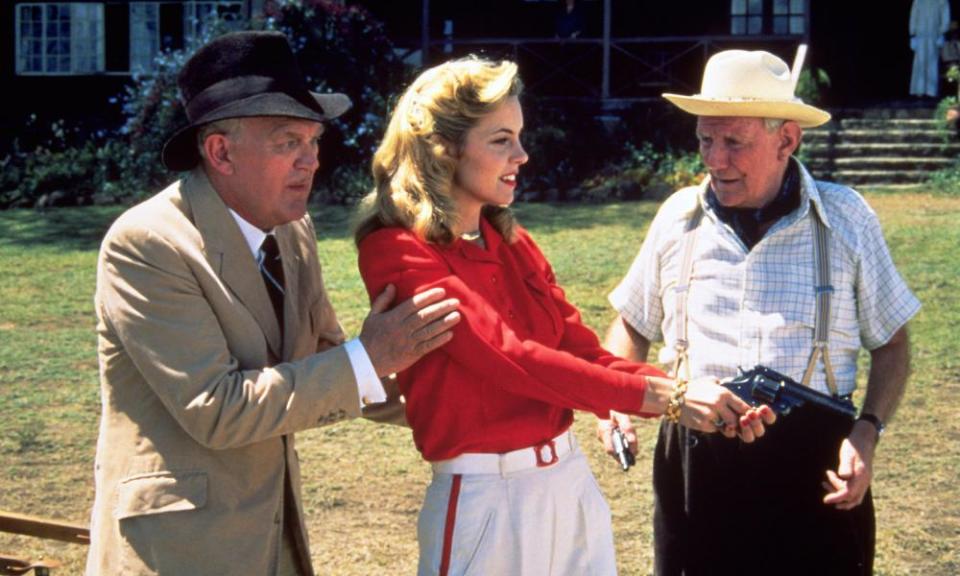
749,83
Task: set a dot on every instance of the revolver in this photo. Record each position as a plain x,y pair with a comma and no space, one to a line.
762,385
622,449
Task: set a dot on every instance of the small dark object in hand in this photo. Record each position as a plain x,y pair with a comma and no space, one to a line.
622,449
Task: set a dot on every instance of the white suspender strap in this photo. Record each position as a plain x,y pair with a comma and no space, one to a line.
681,292
823,289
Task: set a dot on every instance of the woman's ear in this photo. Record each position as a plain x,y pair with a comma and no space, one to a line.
447,148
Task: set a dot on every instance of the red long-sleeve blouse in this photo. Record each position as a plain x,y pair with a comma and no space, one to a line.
520,359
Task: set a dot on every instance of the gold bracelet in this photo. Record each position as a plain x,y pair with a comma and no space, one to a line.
677,398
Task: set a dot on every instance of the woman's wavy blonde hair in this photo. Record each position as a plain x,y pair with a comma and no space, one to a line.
413,170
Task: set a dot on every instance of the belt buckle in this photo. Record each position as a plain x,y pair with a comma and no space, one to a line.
551,448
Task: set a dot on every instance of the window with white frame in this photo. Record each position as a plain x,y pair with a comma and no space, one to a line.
59,38
144,35
198,14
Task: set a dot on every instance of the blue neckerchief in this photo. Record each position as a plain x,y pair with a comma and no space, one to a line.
748,222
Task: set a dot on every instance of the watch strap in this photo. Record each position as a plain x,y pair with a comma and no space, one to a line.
873,419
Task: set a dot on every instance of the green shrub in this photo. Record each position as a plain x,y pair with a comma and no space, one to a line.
339,48
811,84
344,49
643,173
946,181
62,169
346,185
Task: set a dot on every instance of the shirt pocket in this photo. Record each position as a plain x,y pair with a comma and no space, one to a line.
159,493
543,317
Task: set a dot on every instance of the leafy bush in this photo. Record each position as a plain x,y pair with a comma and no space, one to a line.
343,49
643,173
811,84
60,168
345,185
339,48
153,112
564,144
946,181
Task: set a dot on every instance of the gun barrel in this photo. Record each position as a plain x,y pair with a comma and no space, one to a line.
771,386
817,398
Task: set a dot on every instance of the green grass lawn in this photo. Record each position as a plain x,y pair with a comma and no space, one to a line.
363,483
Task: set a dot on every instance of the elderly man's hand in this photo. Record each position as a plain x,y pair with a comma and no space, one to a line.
848,485
395,339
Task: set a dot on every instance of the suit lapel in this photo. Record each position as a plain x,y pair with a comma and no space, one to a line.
229,255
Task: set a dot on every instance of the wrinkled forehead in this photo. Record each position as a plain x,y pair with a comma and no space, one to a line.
728,123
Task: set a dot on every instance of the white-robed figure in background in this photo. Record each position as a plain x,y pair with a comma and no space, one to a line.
929,21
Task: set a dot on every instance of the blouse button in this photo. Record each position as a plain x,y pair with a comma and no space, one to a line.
493,279
511,315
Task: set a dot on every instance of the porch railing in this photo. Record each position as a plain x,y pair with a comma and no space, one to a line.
614,70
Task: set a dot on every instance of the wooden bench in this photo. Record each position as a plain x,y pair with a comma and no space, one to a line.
39,528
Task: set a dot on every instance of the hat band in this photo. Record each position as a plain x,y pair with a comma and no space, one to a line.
232,89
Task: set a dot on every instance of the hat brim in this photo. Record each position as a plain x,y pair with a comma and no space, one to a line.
180,151
803,114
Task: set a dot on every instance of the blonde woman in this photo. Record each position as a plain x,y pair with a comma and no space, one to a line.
491,411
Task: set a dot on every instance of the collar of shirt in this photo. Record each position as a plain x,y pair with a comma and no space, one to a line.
797,193
473,251
253,235
750,224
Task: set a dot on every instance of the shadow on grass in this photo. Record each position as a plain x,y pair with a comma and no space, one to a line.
66,228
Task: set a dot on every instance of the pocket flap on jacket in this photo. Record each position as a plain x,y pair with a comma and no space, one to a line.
159,493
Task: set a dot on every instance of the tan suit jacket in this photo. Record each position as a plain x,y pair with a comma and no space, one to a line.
200,392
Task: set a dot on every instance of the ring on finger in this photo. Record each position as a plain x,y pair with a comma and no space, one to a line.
719,422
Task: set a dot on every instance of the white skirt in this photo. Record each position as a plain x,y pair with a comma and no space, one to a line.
545,519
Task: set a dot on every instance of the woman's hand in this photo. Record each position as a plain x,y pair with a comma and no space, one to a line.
709,407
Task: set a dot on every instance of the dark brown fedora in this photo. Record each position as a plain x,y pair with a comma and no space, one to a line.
239,75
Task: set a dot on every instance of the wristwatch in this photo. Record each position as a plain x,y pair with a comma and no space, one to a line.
877,423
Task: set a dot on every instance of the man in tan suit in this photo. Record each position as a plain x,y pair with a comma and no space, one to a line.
216,337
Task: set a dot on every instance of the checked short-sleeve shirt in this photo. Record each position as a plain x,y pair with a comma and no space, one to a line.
757,307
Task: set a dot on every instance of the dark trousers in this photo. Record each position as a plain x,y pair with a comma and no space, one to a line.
725,507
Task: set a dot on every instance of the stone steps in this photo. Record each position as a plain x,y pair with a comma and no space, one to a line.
897,149
878,136
889,124
881,163
880,147
878,177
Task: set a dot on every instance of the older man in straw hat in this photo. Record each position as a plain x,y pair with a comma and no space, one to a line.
763,265
216,337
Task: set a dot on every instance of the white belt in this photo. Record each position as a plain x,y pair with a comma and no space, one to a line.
541,455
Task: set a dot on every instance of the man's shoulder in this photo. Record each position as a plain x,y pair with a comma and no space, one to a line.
843,205
162,215
303,233
681,205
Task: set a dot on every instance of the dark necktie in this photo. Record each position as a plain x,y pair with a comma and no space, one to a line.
271,268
